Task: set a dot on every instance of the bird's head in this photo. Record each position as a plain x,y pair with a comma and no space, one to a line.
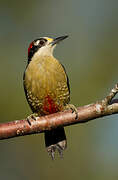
43,46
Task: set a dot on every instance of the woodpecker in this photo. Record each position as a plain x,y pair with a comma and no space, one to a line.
46,87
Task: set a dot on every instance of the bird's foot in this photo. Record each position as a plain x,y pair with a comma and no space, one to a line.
51,150
73,108
32,116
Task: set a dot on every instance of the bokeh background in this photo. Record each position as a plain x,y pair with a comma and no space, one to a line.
90,56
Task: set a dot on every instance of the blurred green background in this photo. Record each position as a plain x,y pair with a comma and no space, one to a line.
90,56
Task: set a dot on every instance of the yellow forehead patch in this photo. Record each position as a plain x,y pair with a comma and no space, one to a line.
49,39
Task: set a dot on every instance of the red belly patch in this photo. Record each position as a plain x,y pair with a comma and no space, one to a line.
49,106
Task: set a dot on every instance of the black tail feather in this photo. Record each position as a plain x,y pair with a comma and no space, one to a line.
55,140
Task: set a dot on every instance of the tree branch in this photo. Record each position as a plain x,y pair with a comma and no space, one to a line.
86,113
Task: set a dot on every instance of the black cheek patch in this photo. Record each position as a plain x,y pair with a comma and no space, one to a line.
31,52
34,48
30,47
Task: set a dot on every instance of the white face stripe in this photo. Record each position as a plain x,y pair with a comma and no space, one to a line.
36,43
49,40
46,50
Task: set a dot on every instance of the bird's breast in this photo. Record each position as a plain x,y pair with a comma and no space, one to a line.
46,85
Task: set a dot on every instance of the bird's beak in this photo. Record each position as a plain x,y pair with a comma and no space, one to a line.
58,39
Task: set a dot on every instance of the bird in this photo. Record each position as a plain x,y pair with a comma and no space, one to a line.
47,89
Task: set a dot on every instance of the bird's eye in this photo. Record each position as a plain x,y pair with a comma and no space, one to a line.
42,42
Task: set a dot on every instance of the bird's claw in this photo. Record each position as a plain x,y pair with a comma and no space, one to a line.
32,116
51,150
73,108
